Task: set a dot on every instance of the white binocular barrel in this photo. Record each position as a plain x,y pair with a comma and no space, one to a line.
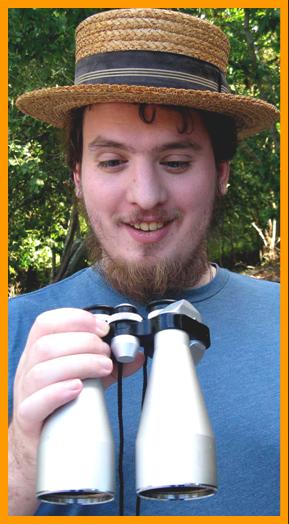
175,445
76,450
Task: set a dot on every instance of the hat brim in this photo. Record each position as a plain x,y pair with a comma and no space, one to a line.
53,105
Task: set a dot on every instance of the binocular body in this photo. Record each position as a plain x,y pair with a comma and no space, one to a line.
76,451
175,445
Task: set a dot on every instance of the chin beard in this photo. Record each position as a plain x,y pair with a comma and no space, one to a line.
143,282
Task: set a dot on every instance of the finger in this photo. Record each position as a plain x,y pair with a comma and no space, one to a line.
128,369
61,321
62,344
65,368
66,320
36,408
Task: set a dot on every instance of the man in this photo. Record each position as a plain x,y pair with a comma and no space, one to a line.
152,128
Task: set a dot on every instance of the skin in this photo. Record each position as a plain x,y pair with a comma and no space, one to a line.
133,173
151,173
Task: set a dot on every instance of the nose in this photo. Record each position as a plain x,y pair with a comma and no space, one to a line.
146,187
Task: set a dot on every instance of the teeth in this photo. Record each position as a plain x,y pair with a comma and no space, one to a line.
151,226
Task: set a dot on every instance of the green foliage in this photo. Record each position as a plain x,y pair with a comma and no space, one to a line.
41,53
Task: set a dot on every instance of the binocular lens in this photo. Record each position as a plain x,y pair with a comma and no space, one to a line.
77,497
185,492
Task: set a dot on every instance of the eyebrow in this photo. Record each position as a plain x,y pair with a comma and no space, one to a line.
102,142
184,144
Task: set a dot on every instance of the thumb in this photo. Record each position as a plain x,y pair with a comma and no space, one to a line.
128,369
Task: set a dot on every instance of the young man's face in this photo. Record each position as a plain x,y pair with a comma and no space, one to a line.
148,189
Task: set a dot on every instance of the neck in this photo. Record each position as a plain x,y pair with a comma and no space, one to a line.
207,276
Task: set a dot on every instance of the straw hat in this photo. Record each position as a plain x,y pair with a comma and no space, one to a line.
152,56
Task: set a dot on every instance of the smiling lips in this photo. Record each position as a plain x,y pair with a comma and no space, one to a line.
148,232
148,226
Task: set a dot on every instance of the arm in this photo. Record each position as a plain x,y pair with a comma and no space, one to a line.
21,468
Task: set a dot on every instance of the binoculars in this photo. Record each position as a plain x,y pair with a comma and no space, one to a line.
175,445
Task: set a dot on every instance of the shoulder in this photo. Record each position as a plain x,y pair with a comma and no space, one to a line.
74,291
54,295
258,299
254,285
80,290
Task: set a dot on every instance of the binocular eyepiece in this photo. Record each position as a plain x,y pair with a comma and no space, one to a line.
175,445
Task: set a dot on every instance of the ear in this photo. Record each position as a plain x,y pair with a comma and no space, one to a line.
77,180
223,173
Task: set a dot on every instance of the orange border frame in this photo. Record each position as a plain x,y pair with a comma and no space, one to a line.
283,5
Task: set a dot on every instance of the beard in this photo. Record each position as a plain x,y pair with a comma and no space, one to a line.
144,282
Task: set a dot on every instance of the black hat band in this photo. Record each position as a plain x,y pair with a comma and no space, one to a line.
159,69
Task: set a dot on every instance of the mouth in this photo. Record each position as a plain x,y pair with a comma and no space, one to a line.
148,226
148,231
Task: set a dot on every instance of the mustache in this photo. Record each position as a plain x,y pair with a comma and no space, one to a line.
139,216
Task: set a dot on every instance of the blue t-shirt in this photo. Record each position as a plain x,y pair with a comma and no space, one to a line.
239,377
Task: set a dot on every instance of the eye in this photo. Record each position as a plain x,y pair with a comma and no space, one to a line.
111,164
176,165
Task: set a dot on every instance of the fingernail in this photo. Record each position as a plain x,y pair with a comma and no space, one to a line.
74,384
102,327
106,364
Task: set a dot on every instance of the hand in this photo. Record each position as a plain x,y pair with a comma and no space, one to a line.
64,346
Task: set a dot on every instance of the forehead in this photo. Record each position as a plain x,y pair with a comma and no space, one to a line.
123,120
